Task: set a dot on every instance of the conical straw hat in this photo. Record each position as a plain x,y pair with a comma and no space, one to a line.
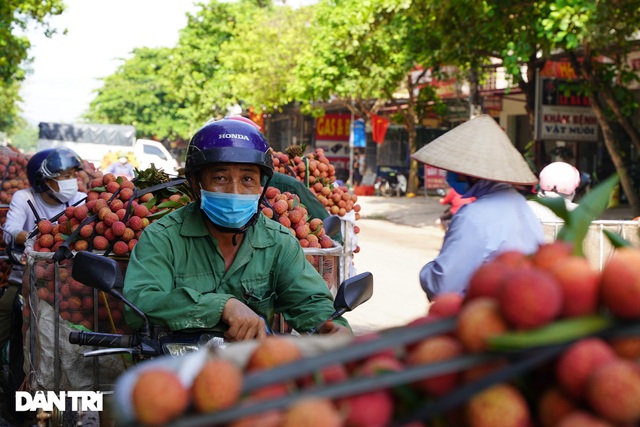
478,148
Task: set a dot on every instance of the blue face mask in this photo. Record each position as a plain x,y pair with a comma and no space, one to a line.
461,187
228,209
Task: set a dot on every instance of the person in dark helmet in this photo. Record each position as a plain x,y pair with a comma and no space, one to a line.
218,263
53,187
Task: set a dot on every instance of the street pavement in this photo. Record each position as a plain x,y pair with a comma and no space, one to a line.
397,237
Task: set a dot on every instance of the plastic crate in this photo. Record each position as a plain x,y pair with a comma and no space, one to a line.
55,305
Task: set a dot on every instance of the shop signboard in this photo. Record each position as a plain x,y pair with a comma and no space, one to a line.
563,113
434,178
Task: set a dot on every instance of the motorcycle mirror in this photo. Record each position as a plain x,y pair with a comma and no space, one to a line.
331,225
97,271
351,293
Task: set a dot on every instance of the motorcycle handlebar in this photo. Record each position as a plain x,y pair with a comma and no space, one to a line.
101,340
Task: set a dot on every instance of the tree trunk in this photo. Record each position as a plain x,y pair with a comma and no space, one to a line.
586,71
410,123
616,158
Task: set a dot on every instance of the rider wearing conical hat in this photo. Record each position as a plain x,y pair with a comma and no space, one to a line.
481,162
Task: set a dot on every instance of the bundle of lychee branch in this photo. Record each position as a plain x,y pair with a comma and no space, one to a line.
538,339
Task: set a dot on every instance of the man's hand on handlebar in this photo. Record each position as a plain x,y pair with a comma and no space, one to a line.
244,323
333,328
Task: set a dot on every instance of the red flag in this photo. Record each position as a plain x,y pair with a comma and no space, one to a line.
379,127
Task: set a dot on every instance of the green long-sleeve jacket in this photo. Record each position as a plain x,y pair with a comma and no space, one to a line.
176,275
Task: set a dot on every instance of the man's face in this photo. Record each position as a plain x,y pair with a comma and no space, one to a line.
231,178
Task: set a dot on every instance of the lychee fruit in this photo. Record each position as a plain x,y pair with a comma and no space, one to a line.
578,362
514,258
431,350
217,385
158,396
312,412
118,228
280,207
580,285
100,243
273,351
530,298
613,391
479,319
80,212
45,226
446,304
373,409
112,186
499,405
141,211
110,218
120,248
550,253
620,286
487,279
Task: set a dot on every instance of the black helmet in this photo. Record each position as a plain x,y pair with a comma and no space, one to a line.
49,164
228,141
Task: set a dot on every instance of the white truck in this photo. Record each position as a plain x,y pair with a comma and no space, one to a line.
93,142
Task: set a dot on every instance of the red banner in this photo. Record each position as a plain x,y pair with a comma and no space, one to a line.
379,127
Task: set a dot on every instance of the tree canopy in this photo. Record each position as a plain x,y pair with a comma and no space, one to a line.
16,16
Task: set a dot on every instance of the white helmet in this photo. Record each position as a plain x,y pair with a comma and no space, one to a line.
560,177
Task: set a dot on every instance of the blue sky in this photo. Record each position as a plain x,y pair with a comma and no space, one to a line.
67,68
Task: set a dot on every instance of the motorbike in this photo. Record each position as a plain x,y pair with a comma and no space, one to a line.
104,274
390,182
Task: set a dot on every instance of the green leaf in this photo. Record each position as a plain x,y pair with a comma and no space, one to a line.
556,204
159,214
170,204
590,208
617,241
151,203
560,331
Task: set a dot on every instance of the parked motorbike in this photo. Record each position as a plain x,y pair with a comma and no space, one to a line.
394,184
104,274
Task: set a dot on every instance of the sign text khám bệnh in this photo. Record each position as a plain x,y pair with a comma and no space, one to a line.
568,124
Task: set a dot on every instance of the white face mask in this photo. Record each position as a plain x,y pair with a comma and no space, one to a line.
68,189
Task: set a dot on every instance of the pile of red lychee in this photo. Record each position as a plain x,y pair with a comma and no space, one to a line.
317,172
76,302
593,382
111,220
13,172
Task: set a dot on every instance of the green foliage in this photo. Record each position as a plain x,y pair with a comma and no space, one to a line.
141,93
577,222
15,16
25,137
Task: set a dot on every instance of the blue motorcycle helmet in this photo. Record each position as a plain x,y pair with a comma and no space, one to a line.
49,164
229,140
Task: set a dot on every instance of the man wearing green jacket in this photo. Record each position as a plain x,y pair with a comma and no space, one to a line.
218,263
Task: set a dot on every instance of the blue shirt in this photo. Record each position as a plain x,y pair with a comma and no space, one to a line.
499,220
